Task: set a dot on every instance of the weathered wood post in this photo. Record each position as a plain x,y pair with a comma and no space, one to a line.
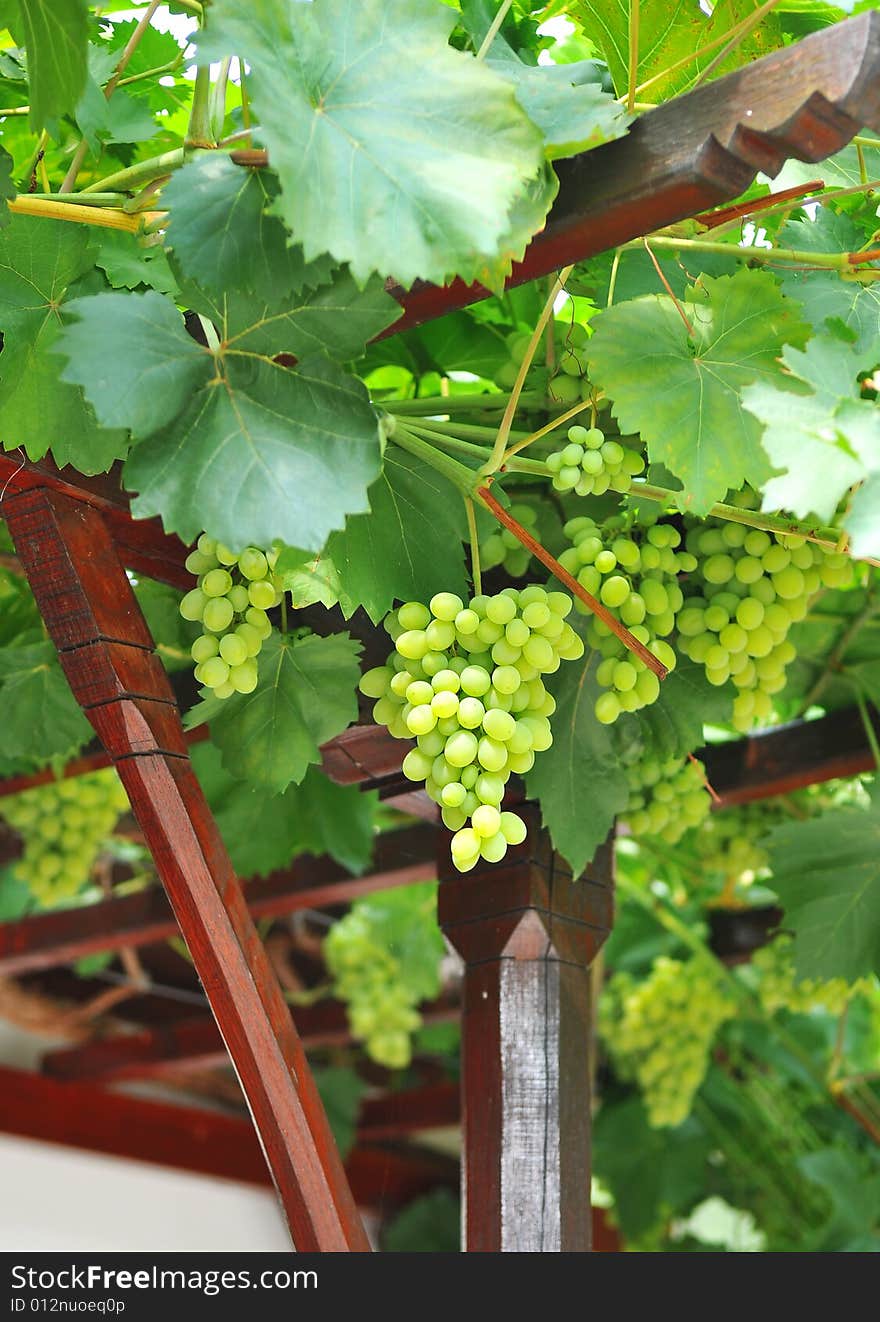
527,932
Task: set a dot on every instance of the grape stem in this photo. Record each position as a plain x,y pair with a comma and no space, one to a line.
546,429
668,287
598,609
496,459
832,261
633,61
444,405
831,538
476,574
494,28
460,476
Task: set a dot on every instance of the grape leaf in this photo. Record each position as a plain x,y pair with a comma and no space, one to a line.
673,725
826,872
56,37
853,1192
264,833
579,781
262,453
311,578
863,519
683,396
404,922
222,234
40,714
306,695
429,1224
822,294
410,544
134,358
820,443
174,635
393,150
672,33
120,118
40,263
567,103
127,263
341,1092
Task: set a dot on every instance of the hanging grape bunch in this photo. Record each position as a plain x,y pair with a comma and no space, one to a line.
750,587
502,548
465,680
589,465
666,799
779,988
381,1008
660,1032
63,826
233,594
633,573
566,383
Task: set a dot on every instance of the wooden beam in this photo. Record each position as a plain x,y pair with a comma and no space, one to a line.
527,937
192,1139
44,940
195,1044
106,650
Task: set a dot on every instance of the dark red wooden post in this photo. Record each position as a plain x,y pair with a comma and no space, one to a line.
527,932
107,653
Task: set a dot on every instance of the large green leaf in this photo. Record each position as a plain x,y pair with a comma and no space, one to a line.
567,103
341,1091
410,544
119,118
579,781
673,33
265,832
40,263
223,235
262,453
404,922
826,872
306,695
42,721
127,263
7,185
134,358
683,395
852,1186
823,442
652,1173
395,153
56,37
822,294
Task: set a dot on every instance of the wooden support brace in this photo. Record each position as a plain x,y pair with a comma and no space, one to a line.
106,650
527,932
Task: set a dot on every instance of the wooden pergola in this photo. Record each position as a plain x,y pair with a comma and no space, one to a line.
527,931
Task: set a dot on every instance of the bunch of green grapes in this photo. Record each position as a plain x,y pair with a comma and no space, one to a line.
63,826
567,382
589,465
234,592
502,548
660,1032
666,799
465,680
749,588
633,573
381,1009
780,989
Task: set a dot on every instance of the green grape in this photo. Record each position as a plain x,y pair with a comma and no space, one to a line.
466,703
64,825
590,465
666,799
233,593
779,988
745,593
660,1031
502,548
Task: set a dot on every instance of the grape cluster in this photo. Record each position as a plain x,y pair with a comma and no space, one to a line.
465,680
502,548
567,384
634,574
589,465
660,1032
666,799
381,1009
753,586
234,592
780,989
63,826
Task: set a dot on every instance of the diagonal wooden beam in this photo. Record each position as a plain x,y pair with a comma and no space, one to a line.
107,652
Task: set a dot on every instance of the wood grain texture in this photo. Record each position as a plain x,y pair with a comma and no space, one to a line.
86,601
527,932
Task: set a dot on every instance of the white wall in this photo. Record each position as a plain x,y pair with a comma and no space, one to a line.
54,1198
